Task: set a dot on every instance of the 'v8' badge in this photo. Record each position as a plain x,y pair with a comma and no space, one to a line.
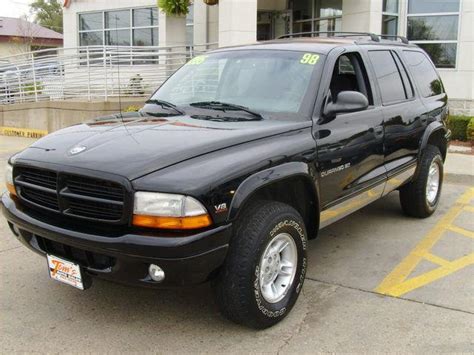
221,208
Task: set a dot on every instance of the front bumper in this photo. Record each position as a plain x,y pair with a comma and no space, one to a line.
188,259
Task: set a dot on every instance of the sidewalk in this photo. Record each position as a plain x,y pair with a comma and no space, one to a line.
459,168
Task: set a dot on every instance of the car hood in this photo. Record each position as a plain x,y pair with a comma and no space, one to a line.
138,145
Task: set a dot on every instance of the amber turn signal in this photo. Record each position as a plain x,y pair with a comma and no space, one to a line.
11,189
193,222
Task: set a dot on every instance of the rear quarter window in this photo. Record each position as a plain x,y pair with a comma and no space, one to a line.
425,75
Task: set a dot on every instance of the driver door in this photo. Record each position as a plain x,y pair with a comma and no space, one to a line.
350,145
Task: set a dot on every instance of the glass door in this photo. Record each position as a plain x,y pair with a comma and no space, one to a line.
273,24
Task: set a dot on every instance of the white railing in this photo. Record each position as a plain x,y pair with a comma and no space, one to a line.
90,73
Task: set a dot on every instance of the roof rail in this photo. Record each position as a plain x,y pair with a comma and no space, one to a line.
372,36
404,40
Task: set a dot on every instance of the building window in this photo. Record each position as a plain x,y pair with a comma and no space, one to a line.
130,27
190,26
433,25
390,17
316,16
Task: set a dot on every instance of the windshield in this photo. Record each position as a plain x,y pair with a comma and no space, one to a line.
268,81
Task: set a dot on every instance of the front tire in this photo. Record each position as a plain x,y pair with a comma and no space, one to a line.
420,197
265,267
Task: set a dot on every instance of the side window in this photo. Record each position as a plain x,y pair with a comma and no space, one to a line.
409,93
350,75
388,77
425,75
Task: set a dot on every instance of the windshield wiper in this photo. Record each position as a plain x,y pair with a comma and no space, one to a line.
224,106
223,118
165,104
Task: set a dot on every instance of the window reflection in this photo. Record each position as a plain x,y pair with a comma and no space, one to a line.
433,25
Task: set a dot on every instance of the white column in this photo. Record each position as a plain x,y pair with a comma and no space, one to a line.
172,33
362,16
200,23
172,30
237,22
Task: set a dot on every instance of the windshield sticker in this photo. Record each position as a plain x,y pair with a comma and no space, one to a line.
198,60
309,58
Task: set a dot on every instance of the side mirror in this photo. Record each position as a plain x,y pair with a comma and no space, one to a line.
346,101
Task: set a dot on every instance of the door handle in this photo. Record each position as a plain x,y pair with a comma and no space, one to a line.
378,130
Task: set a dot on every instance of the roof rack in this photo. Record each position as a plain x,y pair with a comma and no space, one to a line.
373,37
404,40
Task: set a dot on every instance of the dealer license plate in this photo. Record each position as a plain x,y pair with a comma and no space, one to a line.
65,271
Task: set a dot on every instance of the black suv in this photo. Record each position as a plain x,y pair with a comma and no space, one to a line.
236,161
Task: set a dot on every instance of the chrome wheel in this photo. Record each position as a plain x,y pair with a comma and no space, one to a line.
278,267
432,183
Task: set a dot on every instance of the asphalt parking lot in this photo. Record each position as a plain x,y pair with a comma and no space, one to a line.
377,281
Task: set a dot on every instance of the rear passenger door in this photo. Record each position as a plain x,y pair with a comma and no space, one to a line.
404,114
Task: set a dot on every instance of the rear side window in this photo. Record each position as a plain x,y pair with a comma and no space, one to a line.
426,77
409,93
388,77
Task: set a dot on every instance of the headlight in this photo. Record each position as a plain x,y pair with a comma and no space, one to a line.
169,211
9,179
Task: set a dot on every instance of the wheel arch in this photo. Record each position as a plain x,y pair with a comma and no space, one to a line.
436,134
284,183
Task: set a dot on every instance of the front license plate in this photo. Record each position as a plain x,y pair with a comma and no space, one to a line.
65,271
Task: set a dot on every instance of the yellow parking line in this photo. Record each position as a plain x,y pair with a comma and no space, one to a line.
436,259
464,232
397,284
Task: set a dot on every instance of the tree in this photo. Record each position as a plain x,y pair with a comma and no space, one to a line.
48,13
26,36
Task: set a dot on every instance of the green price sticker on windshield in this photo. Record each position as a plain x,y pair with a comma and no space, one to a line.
197,60
309,58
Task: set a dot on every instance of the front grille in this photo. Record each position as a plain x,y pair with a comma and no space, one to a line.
43,178
94,188
82,257
71,195
42,198
93,209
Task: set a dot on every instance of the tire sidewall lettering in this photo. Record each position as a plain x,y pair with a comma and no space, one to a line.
261,304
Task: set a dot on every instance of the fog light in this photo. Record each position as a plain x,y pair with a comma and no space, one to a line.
156,273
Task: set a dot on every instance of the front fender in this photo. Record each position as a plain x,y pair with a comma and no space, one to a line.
266,177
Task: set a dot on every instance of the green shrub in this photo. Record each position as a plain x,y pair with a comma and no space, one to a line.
174,7
30,88
458,126
470,130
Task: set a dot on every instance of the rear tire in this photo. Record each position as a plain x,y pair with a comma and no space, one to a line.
419,198
269,243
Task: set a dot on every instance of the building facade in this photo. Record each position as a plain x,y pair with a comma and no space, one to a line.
443,28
